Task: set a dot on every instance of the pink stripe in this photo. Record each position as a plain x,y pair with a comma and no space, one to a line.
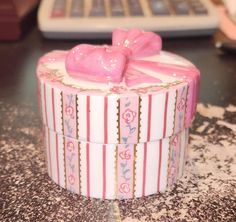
53,110
57,159
165,114
144,168
49,153
149,116
104,147
45,104
88,118
194,99
88,169
104,171
159,166
105,120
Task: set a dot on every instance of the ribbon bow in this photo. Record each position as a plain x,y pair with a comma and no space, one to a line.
111,63
120,61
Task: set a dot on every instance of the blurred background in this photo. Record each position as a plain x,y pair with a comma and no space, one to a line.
203,31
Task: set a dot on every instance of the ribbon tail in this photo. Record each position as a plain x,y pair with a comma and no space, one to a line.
134,77
167,69
189,74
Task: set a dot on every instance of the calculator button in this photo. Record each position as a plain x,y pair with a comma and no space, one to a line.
77,8
195,2
98,8
158,7
117,8
135,8
181,8
58,8
200,10
174,2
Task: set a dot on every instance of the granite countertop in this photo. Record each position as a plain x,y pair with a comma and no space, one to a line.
207,191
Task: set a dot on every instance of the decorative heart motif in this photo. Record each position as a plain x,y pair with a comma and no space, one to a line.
96,63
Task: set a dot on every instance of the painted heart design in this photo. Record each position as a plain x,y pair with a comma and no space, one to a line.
96,63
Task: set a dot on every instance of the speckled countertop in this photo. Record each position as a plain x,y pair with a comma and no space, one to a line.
206,192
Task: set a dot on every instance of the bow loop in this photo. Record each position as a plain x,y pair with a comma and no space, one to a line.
139,43
108,63
96,63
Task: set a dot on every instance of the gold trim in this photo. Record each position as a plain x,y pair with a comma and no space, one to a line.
186,105
180,149
62,125
77,116
118,123
134,169
64,146
116,172
62,113
173,133
168,168
176,99
139,119
79,166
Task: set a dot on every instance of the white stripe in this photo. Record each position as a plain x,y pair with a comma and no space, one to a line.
42,101
110,171
97,119
152,168
170,113
53,155
96,169
186,136
164,165
186,144
112,119
157,116
143,118
182,151
61,161
49,106
82,115
83,172
58,110
185,97
47,149
139,170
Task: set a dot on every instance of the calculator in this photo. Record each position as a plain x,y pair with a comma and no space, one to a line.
94,19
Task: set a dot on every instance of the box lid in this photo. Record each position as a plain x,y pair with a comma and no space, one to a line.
139,99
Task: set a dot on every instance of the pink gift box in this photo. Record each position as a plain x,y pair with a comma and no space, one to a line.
116,140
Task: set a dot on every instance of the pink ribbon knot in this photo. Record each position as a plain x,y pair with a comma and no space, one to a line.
111,63
119,63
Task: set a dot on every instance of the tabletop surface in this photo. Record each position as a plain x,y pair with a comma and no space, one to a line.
207,191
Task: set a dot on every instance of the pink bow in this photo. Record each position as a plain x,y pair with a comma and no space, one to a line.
111,63
117,62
